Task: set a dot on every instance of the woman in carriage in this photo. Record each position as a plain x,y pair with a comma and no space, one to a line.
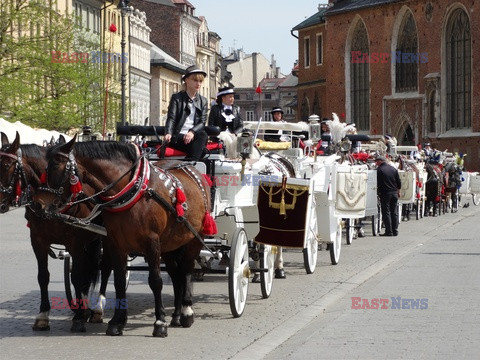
227,117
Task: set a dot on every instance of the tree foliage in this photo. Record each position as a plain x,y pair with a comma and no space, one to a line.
46,80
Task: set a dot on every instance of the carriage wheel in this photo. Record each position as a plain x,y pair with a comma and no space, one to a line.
238,272
417,209
67,270
349,230
336,246
377,222
310,251
267,262
475,199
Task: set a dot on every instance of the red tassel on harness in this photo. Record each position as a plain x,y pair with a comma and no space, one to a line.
18,189
208,180
180,210
209,225
180,195
75,184
43,178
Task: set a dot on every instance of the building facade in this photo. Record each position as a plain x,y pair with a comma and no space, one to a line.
139,61
403,68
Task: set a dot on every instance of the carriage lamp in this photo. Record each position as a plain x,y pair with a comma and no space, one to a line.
314,128
244,148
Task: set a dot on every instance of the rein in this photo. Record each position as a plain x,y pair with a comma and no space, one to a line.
19,174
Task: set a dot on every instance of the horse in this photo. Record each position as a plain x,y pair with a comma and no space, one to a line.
453,183
164,215
21,167
408,165
434,188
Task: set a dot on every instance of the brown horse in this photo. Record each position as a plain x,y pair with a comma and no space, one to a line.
20,169
156,215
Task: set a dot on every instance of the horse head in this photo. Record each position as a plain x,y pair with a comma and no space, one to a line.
10,181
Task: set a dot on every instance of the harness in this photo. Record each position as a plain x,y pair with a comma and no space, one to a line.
19,176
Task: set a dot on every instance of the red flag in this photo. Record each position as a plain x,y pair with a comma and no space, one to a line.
113,28
258,90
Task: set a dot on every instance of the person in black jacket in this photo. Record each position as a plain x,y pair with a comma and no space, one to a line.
227,117
187,114
388,186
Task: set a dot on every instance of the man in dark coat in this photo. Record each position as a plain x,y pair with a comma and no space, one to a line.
388,186
187,114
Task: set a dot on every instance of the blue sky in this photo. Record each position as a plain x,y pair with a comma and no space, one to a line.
258,25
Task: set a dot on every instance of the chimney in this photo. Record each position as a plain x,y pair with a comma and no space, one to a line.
254,69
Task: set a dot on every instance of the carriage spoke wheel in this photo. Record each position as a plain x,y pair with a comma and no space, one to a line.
475,199
349,230
336,246
267,260
238,272
67,270
310,251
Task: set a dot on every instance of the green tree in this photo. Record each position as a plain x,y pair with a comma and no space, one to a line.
46,77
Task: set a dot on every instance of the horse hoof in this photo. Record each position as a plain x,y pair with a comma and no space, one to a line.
41,325
160,330
78,326
175,321
187,321
115,329
96,317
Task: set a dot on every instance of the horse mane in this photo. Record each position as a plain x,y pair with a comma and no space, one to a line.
107,150
33,151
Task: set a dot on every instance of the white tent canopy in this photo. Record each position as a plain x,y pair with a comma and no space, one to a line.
28,135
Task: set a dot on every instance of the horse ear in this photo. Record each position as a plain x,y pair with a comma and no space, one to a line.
67,147
61,140
4,139
16,143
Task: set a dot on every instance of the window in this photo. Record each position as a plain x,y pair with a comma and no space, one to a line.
236,96
268,96
406,59
306,51
431,112
305,109
249,116
267,116
319,49
360,81
459,73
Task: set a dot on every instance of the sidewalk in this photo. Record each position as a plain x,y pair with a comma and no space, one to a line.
441,274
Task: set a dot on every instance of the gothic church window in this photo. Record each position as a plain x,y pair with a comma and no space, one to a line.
360,81
459,74
406,56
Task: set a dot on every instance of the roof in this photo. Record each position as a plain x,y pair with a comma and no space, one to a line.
161,58
290,81
340,6
271,83
316,19
162,2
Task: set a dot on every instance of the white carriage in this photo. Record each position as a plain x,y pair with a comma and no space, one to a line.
471,186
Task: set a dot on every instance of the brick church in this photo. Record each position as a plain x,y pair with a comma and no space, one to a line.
407,68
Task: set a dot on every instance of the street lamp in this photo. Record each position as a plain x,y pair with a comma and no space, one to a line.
124,10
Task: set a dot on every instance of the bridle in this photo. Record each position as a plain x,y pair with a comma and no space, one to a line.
19,175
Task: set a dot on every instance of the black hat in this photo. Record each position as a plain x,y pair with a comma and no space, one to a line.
426,144
380,158
194,69
225,91
276,109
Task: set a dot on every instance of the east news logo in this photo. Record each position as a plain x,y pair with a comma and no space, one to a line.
395,303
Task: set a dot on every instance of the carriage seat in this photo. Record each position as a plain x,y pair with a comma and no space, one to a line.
212,147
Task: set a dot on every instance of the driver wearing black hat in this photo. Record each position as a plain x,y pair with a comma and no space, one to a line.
227,117
277,116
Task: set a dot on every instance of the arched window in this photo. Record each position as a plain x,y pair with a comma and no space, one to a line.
406,56
431,127
360,81
459,74
305,109
316,106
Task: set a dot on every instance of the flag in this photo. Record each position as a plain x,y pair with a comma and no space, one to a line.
258,90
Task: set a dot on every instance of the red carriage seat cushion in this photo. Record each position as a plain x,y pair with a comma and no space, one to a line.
174,152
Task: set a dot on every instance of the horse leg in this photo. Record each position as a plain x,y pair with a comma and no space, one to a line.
155,282
43,277
119,319
98,310
172,260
